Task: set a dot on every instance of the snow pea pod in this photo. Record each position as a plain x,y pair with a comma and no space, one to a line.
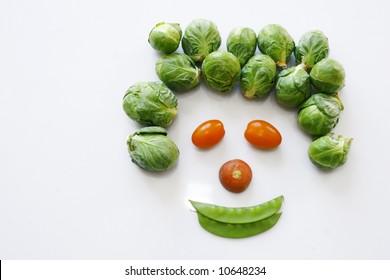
239,215
229,230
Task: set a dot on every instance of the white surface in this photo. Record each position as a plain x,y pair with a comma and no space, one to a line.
68,189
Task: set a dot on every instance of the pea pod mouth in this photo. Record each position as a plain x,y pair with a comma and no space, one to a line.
229,230
239,215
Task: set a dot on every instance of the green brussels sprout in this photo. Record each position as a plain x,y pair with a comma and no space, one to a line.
221,70
328,76
201,37
178,72
257,76
150,103
312,47
293,86
242,43
328,152
276,42
151,149
165,37
319,114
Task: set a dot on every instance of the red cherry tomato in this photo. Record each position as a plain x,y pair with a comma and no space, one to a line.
235,175
208,134
262,134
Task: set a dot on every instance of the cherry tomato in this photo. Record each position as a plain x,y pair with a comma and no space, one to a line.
262,134
235,175
208,134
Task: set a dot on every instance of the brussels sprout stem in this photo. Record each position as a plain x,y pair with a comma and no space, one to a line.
303,65
338,97
250,93
282,64
173,111
349,141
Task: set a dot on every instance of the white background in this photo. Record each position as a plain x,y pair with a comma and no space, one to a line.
68,189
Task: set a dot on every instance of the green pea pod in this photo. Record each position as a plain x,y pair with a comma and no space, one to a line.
237,230
239,215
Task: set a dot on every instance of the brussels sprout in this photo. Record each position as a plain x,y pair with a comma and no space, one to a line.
328,152
178,71
242,43
201,37
276,42
328,76
165,37
257,76
312,47
319,114
293,86
150,103
151,149
221,70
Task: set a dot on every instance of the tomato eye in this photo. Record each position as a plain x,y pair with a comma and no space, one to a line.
262,134
208,134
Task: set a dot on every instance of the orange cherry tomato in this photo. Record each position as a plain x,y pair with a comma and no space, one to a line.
208,134
262,134
235,175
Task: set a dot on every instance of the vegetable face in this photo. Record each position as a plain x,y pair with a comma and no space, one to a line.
312,47
178,72
238,222
328,76
208,134
276,42
165,37
328,152
221,70
257,76
262,134
242,42
293,86
201,37
152,150
150,103
235,175
319,114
